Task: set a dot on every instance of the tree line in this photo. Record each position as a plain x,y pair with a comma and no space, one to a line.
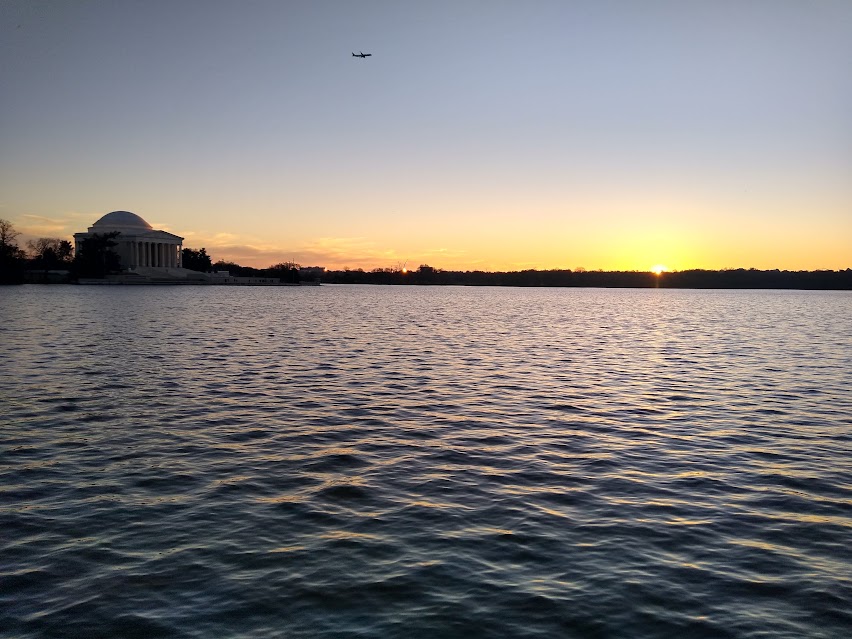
42,255
739,278
97,259
199,260
52,259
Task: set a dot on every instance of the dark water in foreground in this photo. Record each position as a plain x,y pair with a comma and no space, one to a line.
424,462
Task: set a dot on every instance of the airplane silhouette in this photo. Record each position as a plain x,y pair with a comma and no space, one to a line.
361,55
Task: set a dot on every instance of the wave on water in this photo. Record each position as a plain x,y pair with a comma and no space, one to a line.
424,462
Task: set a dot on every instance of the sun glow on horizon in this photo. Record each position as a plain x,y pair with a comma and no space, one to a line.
659,269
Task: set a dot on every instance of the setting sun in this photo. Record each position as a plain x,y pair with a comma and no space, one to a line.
658,269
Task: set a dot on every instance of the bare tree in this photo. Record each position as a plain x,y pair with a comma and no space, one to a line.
8,234
50,253
51,250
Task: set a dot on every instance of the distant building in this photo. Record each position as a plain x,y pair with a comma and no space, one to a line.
149,256
140,246
225,277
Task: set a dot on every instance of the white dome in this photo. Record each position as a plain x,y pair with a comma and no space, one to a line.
121,220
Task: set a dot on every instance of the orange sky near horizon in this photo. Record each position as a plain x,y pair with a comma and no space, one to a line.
602,239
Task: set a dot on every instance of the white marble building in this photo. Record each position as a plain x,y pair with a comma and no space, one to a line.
139,245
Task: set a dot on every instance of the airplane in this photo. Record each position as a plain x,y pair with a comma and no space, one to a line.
361,55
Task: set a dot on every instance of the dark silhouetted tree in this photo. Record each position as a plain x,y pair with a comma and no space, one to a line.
97,257
12,258
196,260
285,272
50,253
426,274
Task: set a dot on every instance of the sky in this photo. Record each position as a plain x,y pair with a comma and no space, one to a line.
615,135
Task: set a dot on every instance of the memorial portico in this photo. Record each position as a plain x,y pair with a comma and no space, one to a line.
139,245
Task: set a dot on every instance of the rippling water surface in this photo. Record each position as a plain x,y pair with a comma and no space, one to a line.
424,462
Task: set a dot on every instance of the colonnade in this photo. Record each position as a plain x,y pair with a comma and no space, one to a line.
157,254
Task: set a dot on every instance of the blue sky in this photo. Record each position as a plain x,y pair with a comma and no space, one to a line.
478,135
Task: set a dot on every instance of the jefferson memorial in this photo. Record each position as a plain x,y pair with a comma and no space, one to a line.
149,256
139,245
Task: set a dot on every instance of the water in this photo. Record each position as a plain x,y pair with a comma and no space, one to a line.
424,462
